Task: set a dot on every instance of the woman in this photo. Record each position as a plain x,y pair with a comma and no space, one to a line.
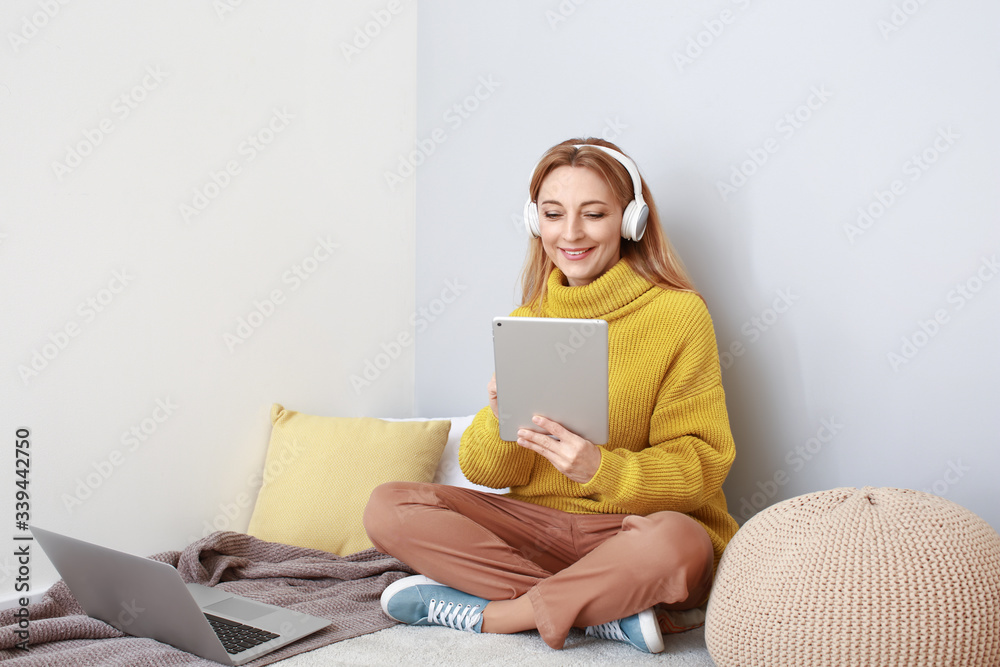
588,536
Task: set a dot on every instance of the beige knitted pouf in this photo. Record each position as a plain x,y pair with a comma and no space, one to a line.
872,576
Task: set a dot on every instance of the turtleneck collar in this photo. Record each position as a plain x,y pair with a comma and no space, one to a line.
618,291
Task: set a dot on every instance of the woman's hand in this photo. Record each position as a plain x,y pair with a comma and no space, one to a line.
491,391
572,455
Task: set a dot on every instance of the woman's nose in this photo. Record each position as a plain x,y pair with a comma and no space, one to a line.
574,226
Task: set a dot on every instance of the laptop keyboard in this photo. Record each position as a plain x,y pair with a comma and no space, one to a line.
236,637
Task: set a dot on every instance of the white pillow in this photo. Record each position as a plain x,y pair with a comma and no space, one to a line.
448,471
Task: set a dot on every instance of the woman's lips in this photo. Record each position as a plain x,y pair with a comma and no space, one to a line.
574,254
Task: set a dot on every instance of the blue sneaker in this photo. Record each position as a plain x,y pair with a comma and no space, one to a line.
640,630
418,600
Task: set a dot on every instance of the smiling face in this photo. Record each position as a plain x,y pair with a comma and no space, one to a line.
580,220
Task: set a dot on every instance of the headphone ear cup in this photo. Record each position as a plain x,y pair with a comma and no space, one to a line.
641,215
634,221
531,219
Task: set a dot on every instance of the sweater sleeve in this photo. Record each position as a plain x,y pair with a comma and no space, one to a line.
487,460
690,443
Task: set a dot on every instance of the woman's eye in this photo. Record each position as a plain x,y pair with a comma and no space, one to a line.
595,216
551,215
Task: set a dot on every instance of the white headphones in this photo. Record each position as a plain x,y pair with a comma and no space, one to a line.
634,218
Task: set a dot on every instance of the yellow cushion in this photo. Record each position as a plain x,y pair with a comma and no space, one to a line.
320,471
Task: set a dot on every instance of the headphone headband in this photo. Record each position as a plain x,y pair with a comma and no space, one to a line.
635,215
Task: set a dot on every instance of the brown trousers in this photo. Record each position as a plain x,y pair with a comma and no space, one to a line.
576,569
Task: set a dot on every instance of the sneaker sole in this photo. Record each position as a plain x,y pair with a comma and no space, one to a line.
651,631
400,584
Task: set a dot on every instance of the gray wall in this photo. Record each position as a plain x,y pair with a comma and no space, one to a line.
857,350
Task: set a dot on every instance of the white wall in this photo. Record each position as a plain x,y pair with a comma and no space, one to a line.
841,376
160,99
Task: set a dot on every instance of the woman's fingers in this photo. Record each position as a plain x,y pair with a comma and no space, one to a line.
572,455
491,393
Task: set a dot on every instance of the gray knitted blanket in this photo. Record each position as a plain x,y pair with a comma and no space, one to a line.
344,589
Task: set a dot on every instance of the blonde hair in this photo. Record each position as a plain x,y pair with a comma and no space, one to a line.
652,257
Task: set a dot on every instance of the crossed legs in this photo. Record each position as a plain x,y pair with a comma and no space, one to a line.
542,568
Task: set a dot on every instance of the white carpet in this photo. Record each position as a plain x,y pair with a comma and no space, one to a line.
405,645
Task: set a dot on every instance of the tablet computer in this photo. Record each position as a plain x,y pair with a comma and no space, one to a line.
554,367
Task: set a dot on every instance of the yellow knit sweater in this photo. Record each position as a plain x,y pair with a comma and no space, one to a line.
670,445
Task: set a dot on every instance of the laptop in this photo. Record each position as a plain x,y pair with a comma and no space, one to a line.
147,598
554,367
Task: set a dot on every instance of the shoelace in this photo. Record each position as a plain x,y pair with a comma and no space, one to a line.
611,630
452,615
